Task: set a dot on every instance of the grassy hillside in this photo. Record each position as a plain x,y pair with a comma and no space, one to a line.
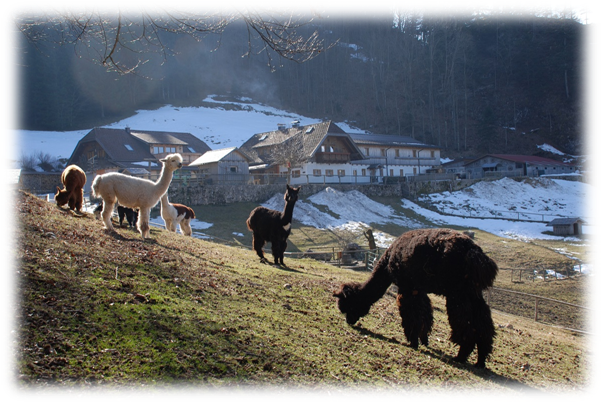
99,308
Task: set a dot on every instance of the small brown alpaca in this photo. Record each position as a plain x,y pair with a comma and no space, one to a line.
73,180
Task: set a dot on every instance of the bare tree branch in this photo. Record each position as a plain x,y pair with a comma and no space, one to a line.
109,35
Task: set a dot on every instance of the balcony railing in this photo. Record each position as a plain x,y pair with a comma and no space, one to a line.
324,157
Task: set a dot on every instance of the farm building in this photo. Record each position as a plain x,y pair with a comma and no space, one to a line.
566,226
500,165
226,165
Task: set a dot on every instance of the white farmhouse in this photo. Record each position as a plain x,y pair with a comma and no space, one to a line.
324,153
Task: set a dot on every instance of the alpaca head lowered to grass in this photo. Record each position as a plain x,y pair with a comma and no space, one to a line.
438,261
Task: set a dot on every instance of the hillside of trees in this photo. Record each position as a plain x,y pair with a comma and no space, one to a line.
470,84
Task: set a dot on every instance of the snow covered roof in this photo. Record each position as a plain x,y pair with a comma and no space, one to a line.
215,156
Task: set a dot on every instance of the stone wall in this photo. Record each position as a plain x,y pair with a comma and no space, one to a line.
226,194
40,182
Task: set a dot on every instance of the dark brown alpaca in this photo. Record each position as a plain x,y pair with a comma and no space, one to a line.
439,261
273,226
73,179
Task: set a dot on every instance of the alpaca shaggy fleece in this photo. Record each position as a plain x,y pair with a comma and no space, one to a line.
73,179
439,261
134,192
273,226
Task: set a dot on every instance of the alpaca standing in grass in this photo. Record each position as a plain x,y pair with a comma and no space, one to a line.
134,192
73,179
273,226
175,214
439,261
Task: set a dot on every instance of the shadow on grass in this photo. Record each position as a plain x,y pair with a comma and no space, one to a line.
484,373
367,332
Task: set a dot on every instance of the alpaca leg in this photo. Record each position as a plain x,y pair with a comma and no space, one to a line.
185,227
460,315
277,252
107,211
416,314
485,330
258,243
143,220
79,200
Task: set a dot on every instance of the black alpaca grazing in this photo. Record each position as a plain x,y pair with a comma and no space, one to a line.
439,261
273,226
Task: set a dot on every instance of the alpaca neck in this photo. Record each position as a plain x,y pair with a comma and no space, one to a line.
378,283
164,180
287,214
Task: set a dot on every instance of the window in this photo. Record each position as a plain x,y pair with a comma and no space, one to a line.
129,147
341,172
296,173
397,152
157,150
432,154
391,173
191,149
367,151
170,149
414,153
323,149
233,169
401,172
355,172
317,172
363,172
329,172
383,152
414,171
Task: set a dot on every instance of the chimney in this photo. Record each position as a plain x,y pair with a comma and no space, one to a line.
281,126
296,123
127,129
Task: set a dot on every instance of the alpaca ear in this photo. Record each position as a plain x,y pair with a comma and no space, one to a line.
338,295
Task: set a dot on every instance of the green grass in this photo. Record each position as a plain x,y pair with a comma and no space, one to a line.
100,308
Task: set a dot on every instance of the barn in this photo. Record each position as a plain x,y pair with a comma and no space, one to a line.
566,226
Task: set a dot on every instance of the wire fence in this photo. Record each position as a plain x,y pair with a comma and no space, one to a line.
540,309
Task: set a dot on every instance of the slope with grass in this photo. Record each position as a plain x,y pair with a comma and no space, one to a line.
100,308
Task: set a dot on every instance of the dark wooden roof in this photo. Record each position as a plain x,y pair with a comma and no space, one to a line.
388,140
117,144
564,221
312,136
124,147
191,143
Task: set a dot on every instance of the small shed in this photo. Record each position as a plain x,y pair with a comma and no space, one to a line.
566,226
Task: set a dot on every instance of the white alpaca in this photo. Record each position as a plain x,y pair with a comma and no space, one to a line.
134,192
174,214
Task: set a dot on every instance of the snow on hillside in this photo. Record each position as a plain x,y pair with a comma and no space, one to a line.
217,126
507,197
352,210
